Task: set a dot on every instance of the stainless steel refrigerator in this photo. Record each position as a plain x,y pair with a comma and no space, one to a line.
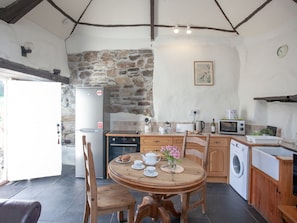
91,120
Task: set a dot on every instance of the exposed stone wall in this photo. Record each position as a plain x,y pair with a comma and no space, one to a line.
128,74
68,114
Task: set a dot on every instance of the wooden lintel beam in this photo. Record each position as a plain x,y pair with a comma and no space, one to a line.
152,8
32,71
15,11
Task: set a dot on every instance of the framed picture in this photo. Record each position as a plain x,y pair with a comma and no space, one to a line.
203,73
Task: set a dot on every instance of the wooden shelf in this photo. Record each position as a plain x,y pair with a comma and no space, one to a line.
290,98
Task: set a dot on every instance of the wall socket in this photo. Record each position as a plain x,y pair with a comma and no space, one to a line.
193,112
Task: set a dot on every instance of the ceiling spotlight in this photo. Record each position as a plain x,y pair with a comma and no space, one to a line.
189,31
176,29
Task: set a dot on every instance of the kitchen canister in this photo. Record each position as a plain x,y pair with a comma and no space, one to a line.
231,114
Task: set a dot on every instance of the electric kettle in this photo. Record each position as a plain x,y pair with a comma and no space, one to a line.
200,125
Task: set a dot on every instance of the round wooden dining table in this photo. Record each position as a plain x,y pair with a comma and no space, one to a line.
155,204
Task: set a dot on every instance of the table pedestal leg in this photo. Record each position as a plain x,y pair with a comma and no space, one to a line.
155,207
185,207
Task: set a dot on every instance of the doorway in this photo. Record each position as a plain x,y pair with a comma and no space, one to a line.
30,130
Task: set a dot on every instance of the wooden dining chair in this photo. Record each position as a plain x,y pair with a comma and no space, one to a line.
190,150
104,199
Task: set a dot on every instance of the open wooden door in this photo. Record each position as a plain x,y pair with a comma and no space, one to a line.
33,121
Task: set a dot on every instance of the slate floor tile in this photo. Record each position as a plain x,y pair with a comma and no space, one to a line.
62,199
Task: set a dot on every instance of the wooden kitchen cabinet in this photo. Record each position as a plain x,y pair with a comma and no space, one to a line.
154,143
178,141
288,213
266,193
218,159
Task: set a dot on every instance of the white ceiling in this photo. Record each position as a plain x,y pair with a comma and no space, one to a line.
277,14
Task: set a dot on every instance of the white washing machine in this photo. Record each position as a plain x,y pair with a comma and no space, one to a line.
239,168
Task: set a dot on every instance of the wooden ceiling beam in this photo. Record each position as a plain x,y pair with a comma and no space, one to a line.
152,10
226,17
253,13
61,11
15,11
80,17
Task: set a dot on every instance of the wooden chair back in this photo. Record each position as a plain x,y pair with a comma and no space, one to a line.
194,146
90,176
197,148
104,199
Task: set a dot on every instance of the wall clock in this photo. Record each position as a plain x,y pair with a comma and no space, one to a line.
282,51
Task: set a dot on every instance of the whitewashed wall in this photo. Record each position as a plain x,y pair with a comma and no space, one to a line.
48,51
263,73
174,91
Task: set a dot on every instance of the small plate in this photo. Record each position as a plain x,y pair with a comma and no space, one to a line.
138,168
145,173
120,161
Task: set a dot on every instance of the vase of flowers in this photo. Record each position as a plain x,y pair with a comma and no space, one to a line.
171,164
172,154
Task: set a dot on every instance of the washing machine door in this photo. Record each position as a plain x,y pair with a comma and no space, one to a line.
236,165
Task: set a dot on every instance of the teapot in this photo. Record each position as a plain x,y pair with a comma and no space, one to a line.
151,158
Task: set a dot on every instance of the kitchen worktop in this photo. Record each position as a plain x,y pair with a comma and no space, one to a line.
123,134
241,139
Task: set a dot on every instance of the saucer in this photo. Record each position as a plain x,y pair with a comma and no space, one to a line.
145,173
150,164
138,168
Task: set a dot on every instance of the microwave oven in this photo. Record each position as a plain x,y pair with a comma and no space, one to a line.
231,127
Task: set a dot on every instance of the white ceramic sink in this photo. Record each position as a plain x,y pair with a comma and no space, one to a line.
263,139
265,159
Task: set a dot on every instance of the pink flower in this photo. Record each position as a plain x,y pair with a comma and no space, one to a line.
171,152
